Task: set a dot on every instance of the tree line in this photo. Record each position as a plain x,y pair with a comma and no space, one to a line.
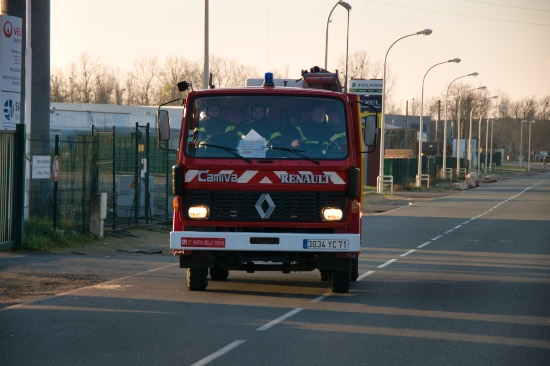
153,82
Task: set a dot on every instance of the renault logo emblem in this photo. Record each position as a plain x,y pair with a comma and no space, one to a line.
265,198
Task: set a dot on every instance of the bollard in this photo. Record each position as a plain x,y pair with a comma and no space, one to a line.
98,214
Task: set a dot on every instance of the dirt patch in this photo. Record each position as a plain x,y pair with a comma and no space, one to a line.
20,286
30,275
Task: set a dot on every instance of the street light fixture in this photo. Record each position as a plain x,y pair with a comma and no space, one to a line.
479,138
487,137
419,175
521,142
348,8
458,128
469,160
444,172
379,185
529,148
206,68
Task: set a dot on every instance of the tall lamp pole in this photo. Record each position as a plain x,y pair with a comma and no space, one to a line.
458,128
348,8
487,138
479,139
206,68
379,185
419,175
529,148
444,172
521,142
470,135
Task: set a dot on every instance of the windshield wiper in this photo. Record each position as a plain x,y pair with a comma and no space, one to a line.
295,152
229,150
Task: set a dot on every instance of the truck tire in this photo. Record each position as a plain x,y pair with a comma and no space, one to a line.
339,281
354,269
218,274
197,279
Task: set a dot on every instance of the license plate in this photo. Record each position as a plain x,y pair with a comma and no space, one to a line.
203,242
326,244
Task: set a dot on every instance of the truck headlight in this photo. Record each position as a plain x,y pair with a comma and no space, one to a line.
332,214
198,212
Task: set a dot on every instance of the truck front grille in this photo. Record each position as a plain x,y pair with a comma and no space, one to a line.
265,206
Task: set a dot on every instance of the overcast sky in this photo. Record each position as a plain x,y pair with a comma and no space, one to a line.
506,41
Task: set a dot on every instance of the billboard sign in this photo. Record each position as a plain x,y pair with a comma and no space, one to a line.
11,40
366,86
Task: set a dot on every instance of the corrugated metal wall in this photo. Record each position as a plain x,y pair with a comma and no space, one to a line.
7,146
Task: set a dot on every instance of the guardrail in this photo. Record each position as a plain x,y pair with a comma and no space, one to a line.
386,179
448,172
423,178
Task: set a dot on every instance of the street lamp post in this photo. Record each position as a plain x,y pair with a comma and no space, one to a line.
419,175
492,129
469,160
487,139
521,142
458,128
379,185
529,148
479,139
444,172
348,8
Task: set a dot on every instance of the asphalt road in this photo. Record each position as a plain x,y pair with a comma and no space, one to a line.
459,280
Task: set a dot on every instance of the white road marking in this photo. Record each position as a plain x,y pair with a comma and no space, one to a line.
387,263
219,353
366,274
409,252
279,319
320,298
423,245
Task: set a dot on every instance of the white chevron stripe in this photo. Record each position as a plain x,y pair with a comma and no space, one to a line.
190,175
335,178
247,176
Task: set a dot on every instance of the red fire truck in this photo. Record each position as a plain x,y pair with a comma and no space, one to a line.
272,198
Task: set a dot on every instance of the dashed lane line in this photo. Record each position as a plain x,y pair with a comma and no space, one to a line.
293,312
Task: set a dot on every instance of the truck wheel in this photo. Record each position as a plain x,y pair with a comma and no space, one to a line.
339,281
218,274
324,274
354,269
197,279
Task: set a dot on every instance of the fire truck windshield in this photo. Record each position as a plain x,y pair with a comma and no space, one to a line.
266,126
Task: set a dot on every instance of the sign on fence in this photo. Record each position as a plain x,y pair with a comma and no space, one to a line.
41,166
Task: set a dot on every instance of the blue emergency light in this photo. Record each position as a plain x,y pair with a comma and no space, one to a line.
268,79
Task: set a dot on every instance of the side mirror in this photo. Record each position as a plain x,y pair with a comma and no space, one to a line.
163,125
370,131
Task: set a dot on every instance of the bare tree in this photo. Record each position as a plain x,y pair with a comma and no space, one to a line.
229,72
145,75
104,86
177,69
58,87
86,70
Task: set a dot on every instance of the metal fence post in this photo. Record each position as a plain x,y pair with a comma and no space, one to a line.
136,178
19,186
147,208
55,187
113,192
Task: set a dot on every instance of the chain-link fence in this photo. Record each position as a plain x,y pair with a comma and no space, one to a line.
125,163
